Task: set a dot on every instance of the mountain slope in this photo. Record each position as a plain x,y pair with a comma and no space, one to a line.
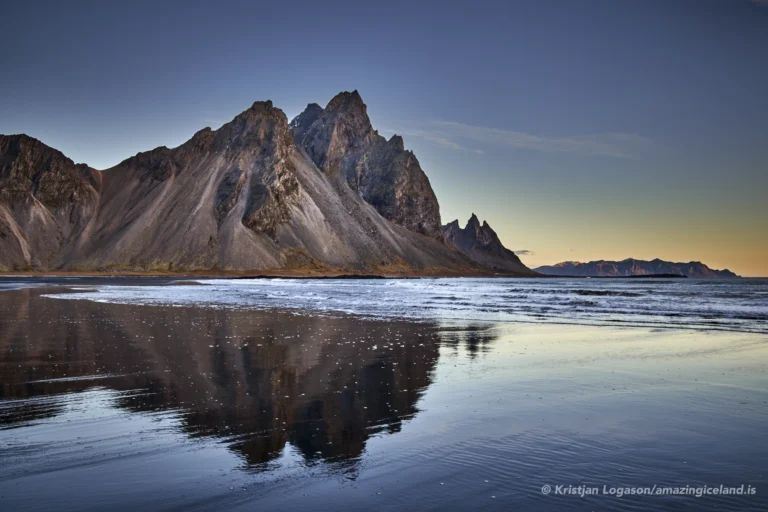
632,267
243,197
45,201
482,245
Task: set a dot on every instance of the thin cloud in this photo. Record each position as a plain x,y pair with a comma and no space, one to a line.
620,145
463,137
213,122
442,141
437,139
524,252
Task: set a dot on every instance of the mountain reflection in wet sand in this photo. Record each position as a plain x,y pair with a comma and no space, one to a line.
258,380
130,407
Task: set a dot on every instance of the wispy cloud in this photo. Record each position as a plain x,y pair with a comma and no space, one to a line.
213,122
431,137
437,139
465,137
524,252
603,144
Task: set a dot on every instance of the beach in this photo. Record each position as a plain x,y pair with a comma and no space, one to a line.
277,394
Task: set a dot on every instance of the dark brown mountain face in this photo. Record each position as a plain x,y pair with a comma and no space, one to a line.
342,143
632,267
45,202
244,197
29,168
481,244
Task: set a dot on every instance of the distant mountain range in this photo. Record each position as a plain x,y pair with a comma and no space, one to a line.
633,267
324,193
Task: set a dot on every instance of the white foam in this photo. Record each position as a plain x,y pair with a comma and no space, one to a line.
741,306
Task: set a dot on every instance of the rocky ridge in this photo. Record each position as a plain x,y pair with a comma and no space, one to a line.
323,194
632,267
45,200
481,244
342,143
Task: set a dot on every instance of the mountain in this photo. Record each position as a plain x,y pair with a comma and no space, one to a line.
632,267
342,143
45,201
323,194
481,244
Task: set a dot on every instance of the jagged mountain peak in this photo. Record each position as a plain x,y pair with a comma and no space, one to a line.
347,101
202,132
252,117
266,108
331,133
397,141
260,110
304,120
350,114
20,138
14,144
473,223
342,143
347,115
45,200
29,167
260,125
481,244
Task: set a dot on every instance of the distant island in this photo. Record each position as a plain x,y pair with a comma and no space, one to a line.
633,268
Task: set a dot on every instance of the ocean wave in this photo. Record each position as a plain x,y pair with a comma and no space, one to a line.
685,304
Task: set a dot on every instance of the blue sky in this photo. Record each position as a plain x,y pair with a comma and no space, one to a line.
579,130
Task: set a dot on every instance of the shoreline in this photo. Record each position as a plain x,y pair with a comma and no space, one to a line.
272,274
575,302
295,274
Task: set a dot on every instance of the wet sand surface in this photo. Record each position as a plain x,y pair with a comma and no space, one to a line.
129,407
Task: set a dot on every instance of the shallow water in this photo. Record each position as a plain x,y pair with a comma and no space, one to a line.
729,305
214,405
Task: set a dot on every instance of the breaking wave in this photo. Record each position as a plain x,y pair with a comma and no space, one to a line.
739,305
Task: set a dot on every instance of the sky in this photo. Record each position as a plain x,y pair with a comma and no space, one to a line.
579,130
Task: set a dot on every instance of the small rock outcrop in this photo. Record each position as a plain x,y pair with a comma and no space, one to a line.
481,244
342,143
